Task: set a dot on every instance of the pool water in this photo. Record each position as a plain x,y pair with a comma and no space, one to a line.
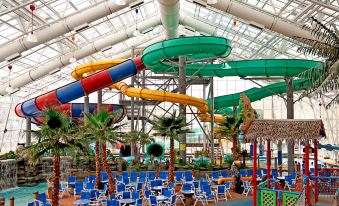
22,195
242,202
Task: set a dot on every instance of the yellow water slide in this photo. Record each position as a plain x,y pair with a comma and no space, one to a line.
148,94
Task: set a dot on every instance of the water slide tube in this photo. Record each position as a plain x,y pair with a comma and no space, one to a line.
80,88
155,56
76,110
163,96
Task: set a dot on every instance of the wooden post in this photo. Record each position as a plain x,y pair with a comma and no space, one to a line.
268,159
316,172
255,187
36,194
11,201
307,173
276,163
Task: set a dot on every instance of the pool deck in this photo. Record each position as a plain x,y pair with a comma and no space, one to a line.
68,200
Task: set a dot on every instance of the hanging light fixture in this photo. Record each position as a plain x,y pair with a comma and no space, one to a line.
212,1
9,88
31,36
73,59
136,32
120,2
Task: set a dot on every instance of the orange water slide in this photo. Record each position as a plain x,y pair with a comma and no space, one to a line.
148,94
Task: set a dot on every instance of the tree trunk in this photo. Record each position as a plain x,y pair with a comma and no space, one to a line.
171,165
137,158
97,164
111,184
56,180
244,161
234,148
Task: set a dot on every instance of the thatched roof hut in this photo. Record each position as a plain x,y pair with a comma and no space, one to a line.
285,129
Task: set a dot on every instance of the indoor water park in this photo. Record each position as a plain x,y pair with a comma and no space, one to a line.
169,102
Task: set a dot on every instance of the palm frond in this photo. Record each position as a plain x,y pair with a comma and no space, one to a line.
321,79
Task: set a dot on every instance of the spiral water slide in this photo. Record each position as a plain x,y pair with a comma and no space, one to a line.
62,96
203,47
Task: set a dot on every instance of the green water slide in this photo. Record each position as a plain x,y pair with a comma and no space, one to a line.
157,56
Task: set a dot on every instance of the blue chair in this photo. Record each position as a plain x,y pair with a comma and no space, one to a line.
90,186
114,174
249,172
62,188
167,193
163,175
71,180
143,175
228,186
86,180
139,202
196,186
94,194
92,179
171,186
85,195
134,177
35,203
221,193
289,183
153,200
103,176
135,195
121,187
151,175
188,176
139,186
259,173
126,195
172,201
215,175
242,173
143,179
147,193
208,193
264,171
178,177
42,198
112,203
186,186
223,173
79,186
311,171
125,180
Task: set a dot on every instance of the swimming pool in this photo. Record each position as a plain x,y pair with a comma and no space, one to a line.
22,195
230,202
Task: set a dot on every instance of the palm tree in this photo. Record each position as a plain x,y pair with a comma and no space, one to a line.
100,128
326,45
57,137
137,138
230,129
171,126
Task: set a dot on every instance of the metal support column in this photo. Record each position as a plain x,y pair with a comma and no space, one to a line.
182,108
28,131
132,98
307,172
99,100
204,123
86,107
212,118
290,115
255,187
